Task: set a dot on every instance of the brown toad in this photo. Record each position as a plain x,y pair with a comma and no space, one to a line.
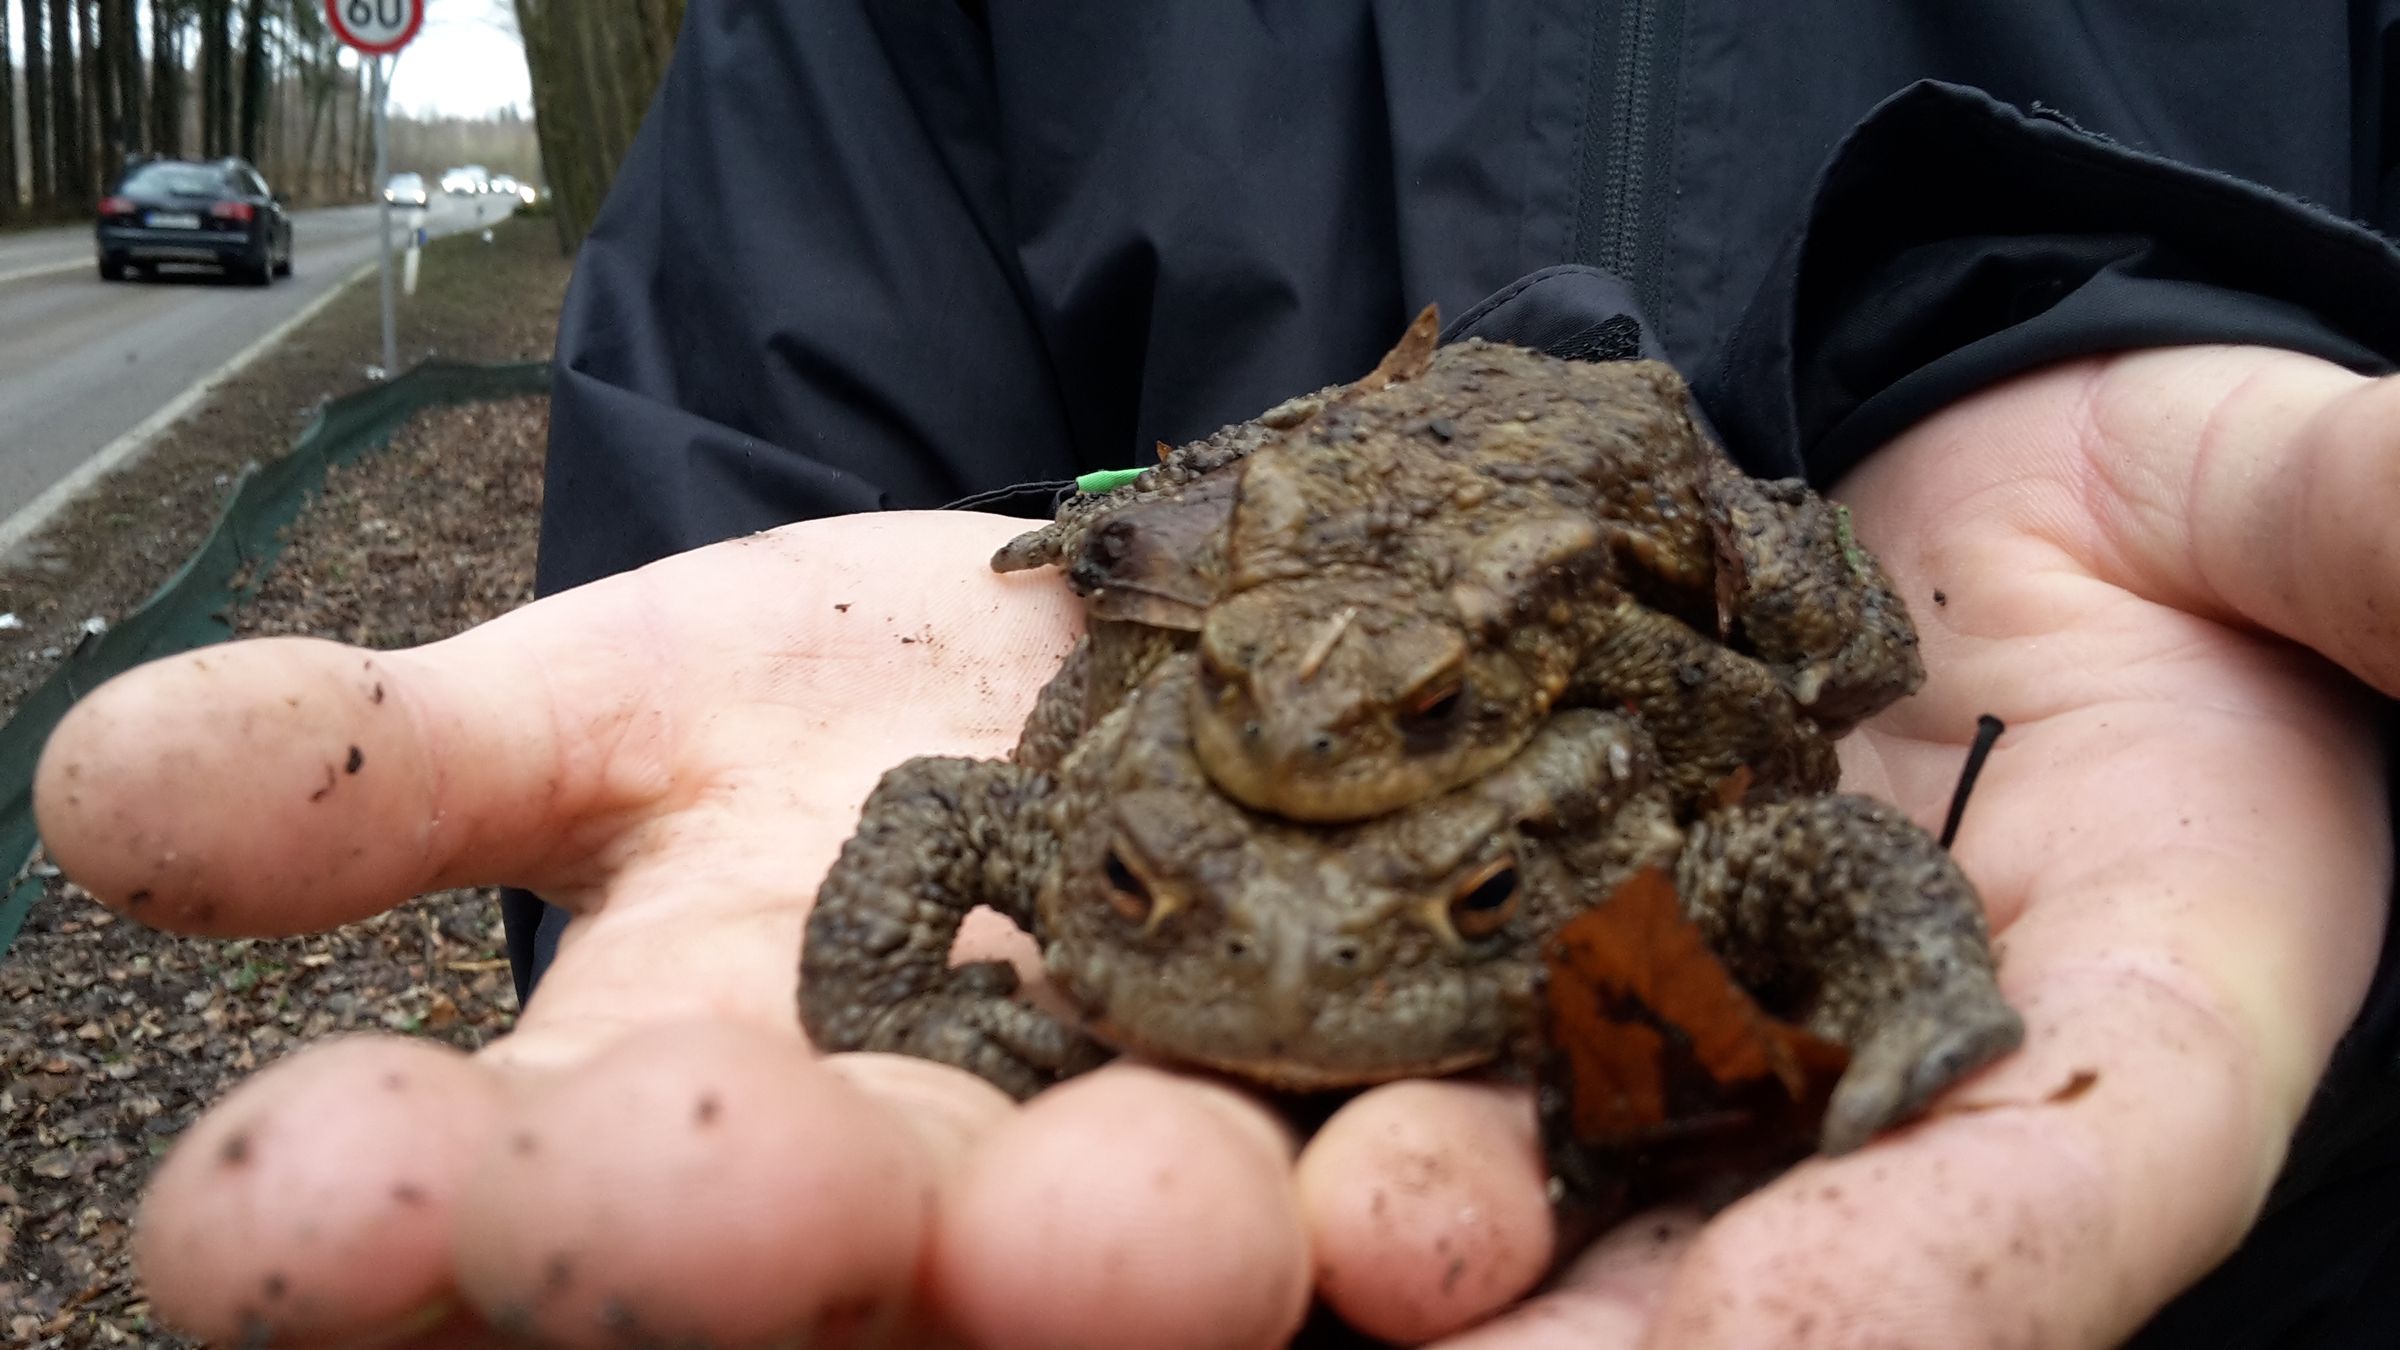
1392,583
1184,927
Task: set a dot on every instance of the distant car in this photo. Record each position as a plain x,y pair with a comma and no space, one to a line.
504,185
466,181
406,189
194,211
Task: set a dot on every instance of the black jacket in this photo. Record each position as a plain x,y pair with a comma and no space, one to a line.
865,256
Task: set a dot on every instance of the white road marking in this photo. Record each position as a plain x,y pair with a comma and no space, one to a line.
129,447
46,269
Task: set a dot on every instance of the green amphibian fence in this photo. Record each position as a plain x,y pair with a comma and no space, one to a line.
192,608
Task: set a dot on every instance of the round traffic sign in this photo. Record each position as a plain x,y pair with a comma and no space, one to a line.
377,27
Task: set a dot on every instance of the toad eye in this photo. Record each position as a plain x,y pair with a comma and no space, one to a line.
1433,713
1128,894
1488,900
1220,675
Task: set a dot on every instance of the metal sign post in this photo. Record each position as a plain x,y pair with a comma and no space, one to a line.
379,29
383,224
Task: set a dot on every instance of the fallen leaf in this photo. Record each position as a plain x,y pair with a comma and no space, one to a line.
1658,1070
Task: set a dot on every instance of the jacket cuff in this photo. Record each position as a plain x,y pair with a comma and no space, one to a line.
1954,242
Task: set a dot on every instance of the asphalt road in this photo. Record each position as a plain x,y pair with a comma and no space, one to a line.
83,361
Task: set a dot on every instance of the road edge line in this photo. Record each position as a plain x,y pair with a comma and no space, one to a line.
46,269
127,448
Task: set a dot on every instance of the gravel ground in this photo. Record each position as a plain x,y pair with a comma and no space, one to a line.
117,1036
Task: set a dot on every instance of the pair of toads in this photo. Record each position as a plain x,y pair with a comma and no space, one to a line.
1378,691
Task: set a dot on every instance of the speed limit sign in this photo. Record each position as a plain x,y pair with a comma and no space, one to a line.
377,27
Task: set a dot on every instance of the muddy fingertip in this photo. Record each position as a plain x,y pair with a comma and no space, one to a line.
314,1202
706,1184
1126,1207
1427,1205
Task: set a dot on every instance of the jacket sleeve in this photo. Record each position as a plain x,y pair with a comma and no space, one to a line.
1955,241
812,189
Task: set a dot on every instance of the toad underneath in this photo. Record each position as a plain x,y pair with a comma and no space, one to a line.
1187,928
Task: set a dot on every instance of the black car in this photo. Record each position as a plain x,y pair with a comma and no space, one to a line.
187,211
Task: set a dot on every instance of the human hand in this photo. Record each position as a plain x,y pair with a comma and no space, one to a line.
676,755
2183,841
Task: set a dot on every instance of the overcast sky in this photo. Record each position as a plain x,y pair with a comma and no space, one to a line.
466,61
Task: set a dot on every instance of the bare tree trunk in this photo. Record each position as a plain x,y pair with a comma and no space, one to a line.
91,93
204,74
333,130
166,79
603,95
66,108
561,118
37,110
595,65
8,122
100,77
254,79
216,78
129,73
317,90
337,103
277,135
362,172
354,166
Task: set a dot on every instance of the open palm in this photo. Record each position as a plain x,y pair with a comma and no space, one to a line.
2183,840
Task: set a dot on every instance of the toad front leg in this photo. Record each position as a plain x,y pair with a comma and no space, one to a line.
1840,912
937,838
1803,596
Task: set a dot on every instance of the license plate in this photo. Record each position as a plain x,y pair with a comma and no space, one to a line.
174,220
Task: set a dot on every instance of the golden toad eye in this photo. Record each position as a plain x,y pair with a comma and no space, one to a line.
1433,713
1486,902
1128,894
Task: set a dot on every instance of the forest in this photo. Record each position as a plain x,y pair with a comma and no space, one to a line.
99,80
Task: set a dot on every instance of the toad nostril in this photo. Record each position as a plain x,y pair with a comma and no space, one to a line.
1346,954
1322,744
1237,947
1252,731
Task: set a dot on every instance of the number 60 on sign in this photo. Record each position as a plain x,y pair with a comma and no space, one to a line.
377,27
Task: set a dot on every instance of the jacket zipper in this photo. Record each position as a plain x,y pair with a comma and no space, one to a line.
1628,143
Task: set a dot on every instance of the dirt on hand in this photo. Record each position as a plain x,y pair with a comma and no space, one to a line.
119,1036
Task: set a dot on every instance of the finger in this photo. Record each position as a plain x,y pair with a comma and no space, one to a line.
313,1205
1607,1296
2240,483
1128,1207
383,1192
709,1184
286,784
1427,1207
